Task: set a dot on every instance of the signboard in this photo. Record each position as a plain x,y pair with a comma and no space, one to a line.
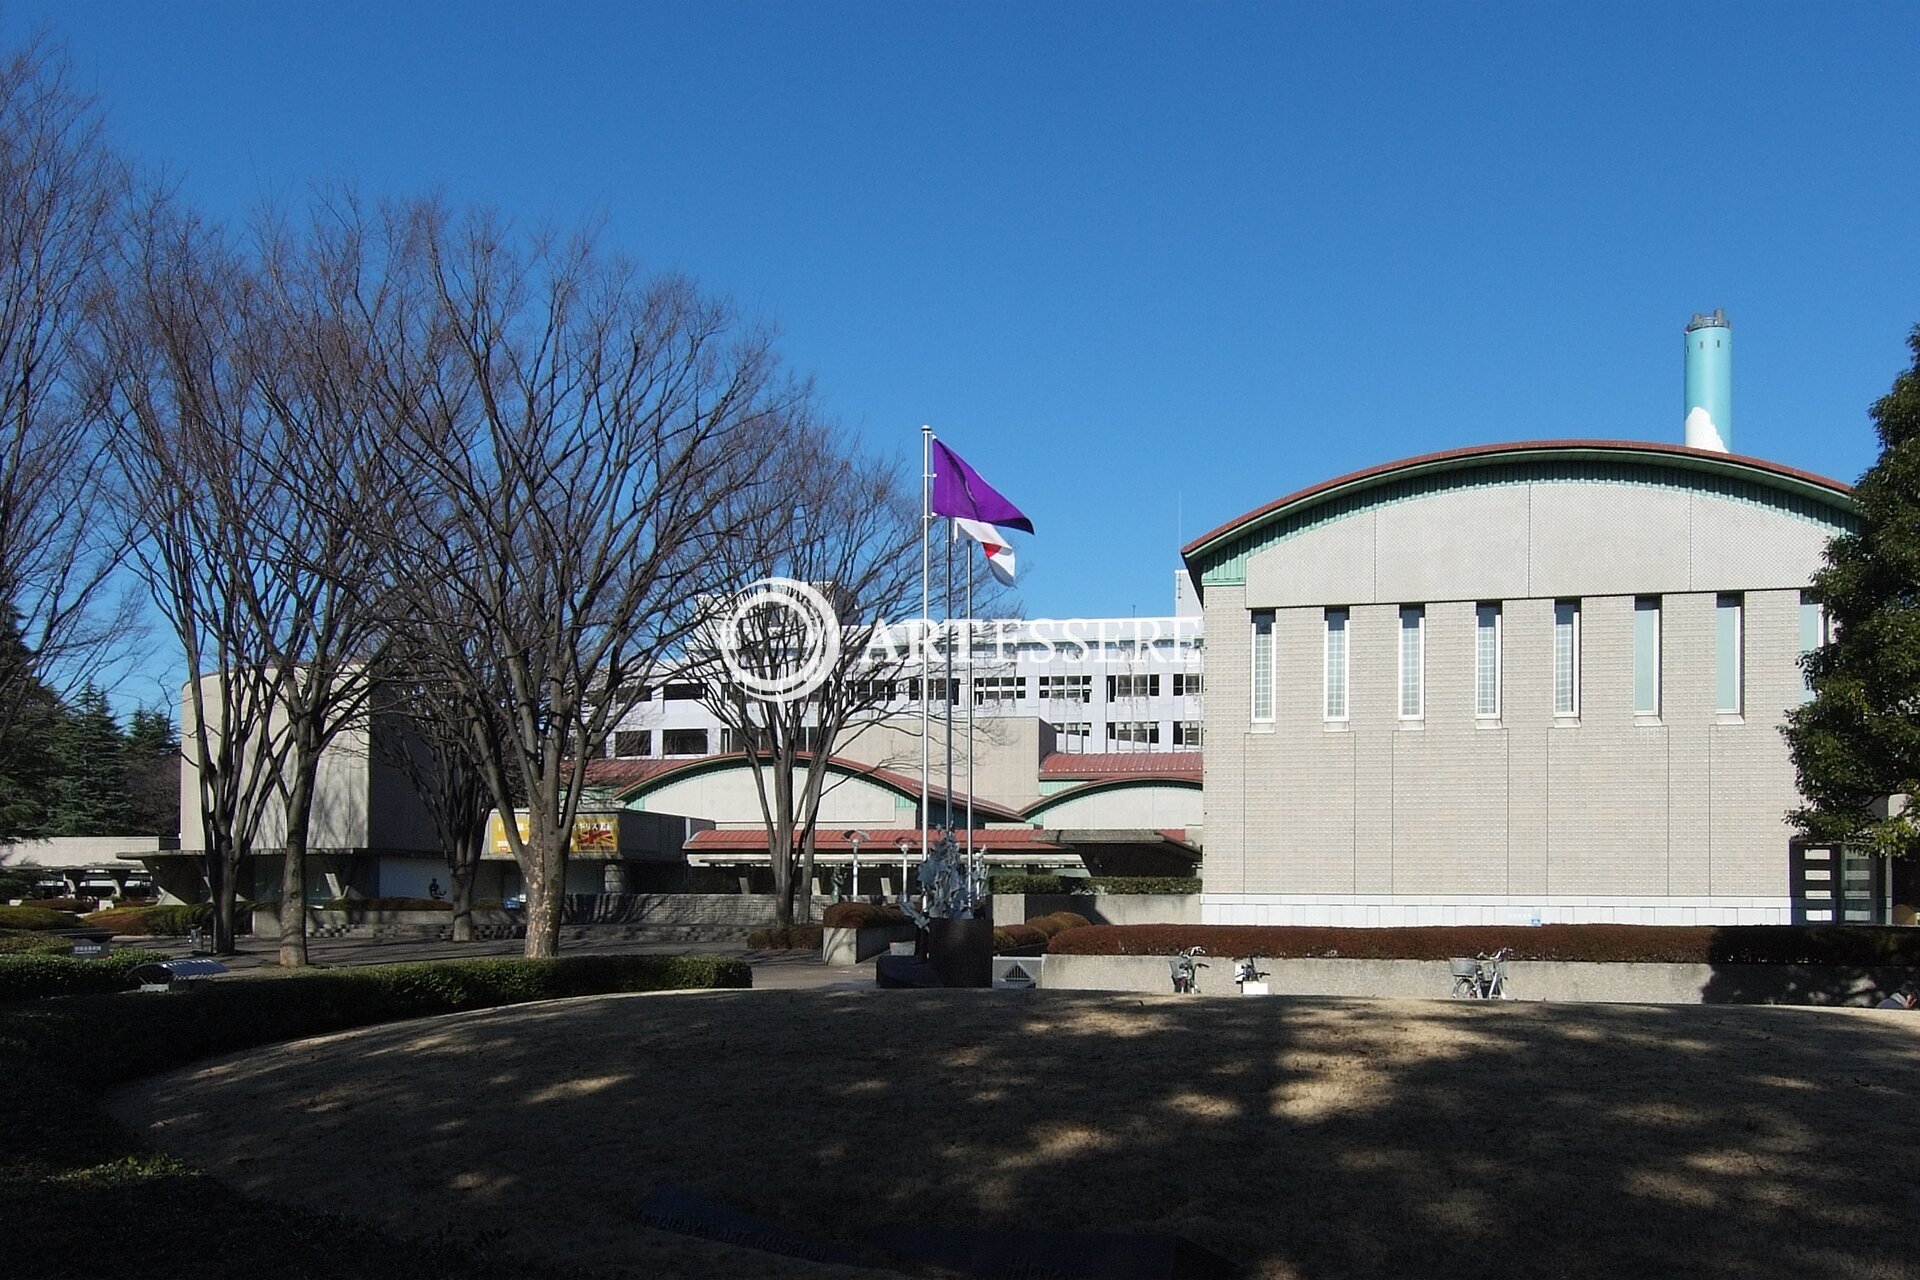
595,835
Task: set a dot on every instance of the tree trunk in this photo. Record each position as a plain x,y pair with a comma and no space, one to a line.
463,869
223,903
293,872
546,879
217,863
780,842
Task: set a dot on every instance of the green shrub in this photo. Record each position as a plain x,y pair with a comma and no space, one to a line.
1040,884
175,920
861,915
1019,937
791,937
1145,884
13,942
37,918
1855,946
219,1015
73,906
32,975
1058,922
356,906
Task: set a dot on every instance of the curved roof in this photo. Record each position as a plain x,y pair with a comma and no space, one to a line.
1803,492
678,770
1080,766
1119,782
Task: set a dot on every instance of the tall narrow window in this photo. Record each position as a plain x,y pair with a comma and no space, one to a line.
1646,656
1566,658
1413,661
1813,634
1262,665
1335,682
1728,656
1486,662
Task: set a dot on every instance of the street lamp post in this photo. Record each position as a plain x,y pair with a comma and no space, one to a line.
854,838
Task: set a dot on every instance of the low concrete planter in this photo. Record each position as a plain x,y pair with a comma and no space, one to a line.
843,947
1541,980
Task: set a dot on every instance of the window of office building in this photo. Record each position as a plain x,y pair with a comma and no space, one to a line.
1813,634
683,742
1186,684
1067,688
1189,733
1566,658
999,689
1073,737
1486,661
1413,661
633,742
1728,654
1334,678
1139,732
683,691
1262,665
1133,686
1646,656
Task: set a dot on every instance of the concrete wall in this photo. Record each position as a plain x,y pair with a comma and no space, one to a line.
1530,980
727,798
1006,755
1100,908
1607,816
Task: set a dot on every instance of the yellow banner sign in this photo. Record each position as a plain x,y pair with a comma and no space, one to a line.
593,834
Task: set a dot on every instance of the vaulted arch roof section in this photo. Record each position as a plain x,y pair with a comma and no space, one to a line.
1127,787
633,794
1220,558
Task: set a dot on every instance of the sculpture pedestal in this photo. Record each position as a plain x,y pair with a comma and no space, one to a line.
961,952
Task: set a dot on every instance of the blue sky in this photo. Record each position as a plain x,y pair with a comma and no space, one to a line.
1146,266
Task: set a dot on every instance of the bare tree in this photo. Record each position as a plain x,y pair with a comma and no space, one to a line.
61,194
578,440
243,403
850,531
183,400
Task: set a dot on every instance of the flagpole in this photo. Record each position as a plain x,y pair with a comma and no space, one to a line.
926,629
974,877
951,535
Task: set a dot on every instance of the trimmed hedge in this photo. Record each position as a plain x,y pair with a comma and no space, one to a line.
357,906
30,975
74,906
1145,884
1038,884
1842,945
1019,937
790,937
175,920
861,915
37,918
1058,922
14,942
1095,884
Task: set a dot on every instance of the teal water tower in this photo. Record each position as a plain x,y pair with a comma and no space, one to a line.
1710,382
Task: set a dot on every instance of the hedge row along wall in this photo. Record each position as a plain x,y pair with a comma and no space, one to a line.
1855,945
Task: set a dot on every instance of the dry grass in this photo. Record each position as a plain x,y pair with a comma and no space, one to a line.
1298,1137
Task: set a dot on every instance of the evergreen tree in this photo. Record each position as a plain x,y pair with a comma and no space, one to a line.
153,773
1858,741
90,759
28,720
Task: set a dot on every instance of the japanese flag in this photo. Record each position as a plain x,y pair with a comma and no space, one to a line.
994,543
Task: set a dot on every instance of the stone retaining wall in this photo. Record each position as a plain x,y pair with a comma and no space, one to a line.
1100,908
1540,980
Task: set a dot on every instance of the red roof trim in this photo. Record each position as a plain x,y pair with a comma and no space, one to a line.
882,844
1110,765
1489,451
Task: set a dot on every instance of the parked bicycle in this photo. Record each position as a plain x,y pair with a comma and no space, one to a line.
1249,971
1482,977
1186,978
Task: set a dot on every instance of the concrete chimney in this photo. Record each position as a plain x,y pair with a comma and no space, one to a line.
1709,422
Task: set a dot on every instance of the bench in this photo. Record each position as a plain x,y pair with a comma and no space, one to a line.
169,975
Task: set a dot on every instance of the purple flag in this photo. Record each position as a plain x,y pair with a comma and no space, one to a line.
959,491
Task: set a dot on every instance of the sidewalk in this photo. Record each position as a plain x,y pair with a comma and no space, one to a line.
772,970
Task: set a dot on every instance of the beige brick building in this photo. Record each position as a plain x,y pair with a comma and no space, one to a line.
1512,683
